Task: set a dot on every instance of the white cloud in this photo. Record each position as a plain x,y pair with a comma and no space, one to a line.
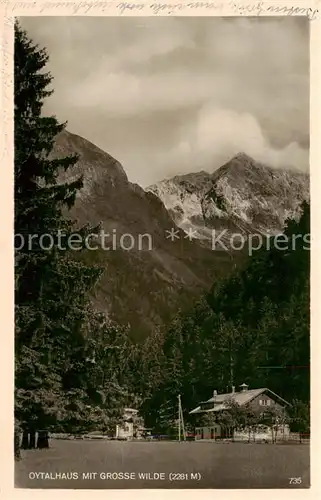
216,136
126,94
171,95
221,133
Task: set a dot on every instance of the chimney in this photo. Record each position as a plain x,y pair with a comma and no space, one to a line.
244,387
214,396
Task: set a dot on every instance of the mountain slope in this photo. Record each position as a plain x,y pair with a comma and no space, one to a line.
140,287
146,285
241,196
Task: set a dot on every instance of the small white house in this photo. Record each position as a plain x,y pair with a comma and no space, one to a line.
132,425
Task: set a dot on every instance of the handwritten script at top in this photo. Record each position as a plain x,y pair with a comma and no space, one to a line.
158,8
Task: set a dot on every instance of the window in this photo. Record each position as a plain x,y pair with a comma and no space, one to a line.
265,402
207,406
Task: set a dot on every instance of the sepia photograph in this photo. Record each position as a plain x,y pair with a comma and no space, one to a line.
162,252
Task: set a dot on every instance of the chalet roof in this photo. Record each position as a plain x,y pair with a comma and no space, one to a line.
241,398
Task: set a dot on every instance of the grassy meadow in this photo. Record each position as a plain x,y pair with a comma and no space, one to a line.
183,465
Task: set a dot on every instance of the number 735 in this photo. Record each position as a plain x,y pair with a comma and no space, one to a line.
295,480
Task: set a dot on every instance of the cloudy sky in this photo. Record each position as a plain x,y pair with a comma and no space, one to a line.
176,95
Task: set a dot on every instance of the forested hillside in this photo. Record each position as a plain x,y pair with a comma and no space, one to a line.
253,327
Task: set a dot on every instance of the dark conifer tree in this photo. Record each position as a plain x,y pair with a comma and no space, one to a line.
51,287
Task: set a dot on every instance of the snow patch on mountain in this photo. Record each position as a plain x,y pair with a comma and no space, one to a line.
242,195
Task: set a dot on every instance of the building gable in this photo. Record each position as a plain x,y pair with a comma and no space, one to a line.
264,401
258,399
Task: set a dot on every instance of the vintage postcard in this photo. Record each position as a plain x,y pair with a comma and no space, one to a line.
162,199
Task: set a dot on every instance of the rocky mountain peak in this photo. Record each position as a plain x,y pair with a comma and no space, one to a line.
94,164
242,195
243,168
243,158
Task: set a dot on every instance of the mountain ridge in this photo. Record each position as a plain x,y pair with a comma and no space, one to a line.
142,288
242,194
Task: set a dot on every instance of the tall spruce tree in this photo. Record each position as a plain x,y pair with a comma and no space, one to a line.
51,288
